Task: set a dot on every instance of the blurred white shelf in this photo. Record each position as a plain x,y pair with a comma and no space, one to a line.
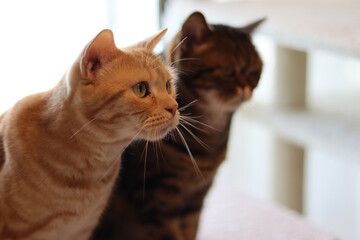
307,128
301,26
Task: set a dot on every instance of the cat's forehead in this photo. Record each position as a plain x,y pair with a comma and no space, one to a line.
140,66
140,56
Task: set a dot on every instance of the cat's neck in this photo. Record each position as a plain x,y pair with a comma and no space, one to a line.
211,124
71,125
204,109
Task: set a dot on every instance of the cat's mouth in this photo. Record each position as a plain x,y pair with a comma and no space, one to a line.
239,96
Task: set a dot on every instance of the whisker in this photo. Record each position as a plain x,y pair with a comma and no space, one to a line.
184,121
192,119
188,105
157,155
172,135
190,115
86,124
185,72
119,155
178,45
151,59
156,67
144,126
155,148
197,169
196,138
145,161
161,152
183,59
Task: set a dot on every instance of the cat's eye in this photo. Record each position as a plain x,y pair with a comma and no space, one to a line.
141,89
168,86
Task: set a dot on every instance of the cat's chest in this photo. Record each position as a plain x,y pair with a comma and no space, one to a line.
77,227
84,217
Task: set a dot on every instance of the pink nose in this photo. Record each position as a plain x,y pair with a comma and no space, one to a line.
172,109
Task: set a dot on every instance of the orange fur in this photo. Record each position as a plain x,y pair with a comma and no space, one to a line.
60,150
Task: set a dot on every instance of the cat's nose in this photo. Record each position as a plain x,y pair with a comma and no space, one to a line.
172,109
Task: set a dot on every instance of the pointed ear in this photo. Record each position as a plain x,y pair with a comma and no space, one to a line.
99,51
195,28
250,28
150,42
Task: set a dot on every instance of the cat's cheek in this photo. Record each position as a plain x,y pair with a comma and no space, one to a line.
172,125
176,120
159,129
242,94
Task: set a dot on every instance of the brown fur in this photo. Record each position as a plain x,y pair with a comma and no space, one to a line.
219,67
59,150
2,152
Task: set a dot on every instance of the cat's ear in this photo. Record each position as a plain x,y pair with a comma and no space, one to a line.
151,42
98,52
195,28
250,28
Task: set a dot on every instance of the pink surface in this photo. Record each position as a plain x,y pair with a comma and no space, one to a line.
232,215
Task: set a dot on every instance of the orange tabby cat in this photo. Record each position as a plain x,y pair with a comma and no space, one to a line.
59,150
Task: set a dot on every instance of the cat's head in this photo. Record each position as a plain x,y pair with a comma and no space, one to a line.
219,63
127,92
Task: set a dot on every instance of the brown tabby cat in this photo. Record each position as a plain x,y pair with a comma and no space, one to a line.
60,150
219,68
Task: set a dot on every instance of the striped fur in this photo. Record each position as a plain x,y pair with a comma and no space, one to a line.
219,68
60,150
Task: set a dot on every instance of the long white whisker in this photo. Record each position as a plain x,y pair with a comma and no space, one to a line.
192,119
145,161
197,169
196,138
86,124
185,72
157,149
151,59
178,45
188,105
184,121
190,115
184,59
161,152
172,136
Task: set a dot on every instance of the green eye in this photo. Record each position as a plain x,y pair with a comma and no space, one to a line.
141,89
168,86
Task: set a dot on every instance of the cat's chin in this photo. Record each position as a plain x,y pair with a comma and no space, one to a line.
152,136
241,95
156,134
